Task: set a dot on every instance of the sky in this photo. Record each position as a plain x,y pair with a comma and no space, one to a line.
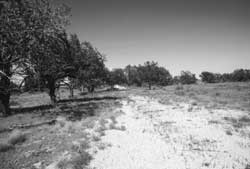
194,35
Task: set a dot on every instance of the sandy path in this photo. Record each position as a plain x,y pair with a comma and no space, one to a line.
168,137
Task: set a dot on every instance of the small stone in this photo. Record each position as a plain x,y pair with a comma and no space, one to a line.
206,164
28,153
38,165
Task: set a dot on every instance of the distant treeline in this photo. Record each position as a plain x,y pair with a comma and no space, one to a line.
147,74
238,75
150,73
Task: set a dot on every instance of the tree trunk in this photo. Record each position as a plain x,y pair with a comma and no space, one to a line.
52,90
5,104
52,95
5,90
82,88
91,89
71,90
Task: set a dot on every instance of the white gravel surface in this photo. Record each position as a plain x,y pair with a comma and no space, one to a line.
159,136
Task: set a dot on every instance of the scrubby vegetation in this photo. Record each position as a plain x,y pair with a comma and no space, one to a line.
238,75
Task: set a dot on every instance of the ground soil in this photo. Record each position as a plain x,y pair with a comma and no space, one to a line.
164,128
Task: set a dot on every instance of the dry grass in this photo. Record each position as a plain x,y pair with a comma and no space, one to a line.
30,99
212,96
78,161
80,146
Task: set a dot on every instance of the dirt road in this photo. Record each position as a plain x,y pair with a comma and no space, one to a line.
178,136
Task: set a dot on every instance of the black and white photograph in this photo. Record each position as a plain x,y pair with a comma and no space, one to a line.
124,84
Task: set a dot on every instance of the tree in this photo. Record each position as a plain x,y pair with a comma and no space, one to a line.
164,77
26,27
116,76
54,61
227,77
176,80
12,43
187,77
21,22
148,73
79,63
133,75
152,74
240,75
208,77
32,82
92,73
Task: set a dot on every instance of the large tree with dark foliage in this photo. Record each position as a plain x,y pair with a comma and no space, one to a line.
148,73
54,62
208,77
241,75
133,75
164,77
238,75
187,77
25,25
151,74
116,76
92,73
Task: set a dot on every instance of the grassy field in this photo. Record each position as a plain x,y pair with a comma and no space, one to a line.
60,136
218,95
212,96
